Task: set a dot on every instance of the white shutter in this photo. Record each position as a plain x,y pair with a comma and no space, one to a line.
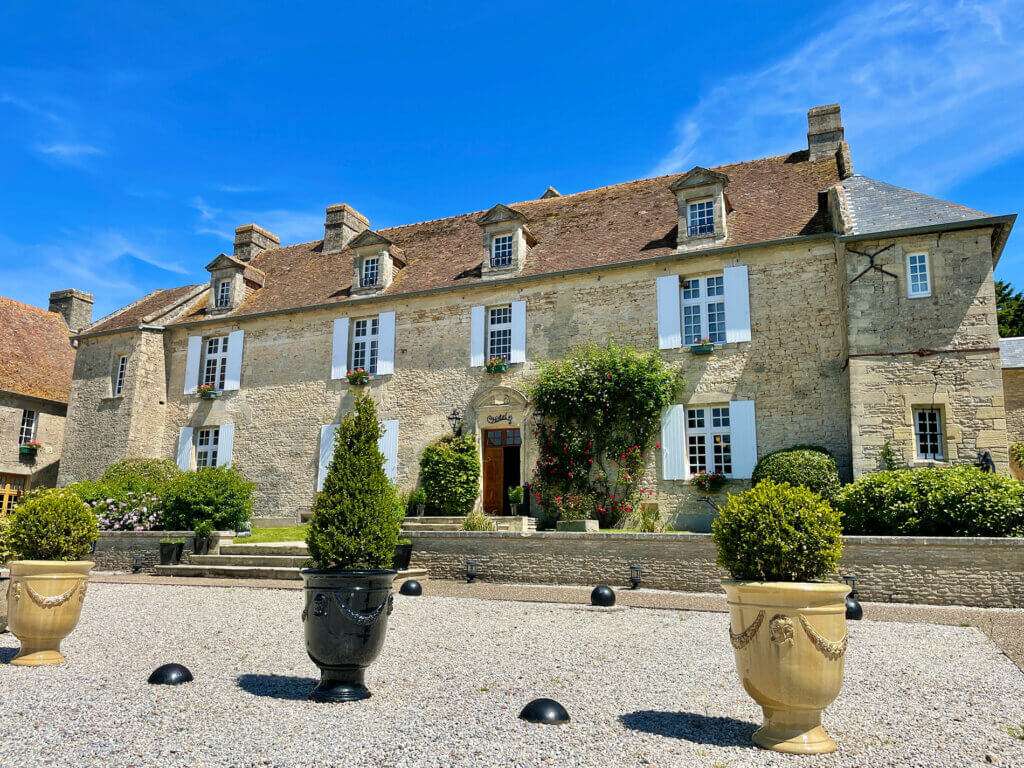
670,328
225,443
326,452
233,375
518,354
185,449
388,445
674,463
737,303
386,347
743,438
195,351
476,337
339,349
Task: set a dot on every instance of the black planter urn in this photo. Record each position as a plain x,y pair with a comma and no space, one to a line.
201,545
403,555
345,620
166,553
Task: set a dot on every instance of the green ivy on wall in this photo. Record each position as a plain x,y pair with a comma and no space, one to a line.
599,410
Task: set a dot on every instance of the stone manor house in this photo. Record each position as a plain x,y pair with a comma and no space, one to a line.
843,312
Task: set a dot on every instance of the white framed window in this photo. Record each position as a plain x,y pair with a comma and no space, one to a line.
119,373
27,431
370,272
501,251
709,439
223,294
700,218
215,361
919,280
365,344
499,332
928,434
703,309
207,445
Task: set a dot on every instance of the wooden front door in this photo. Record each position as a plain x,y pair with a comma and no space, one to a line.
11,487
501,462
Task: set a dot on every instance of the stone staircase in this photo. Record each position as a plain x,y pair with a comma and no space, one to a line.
412,525
256,561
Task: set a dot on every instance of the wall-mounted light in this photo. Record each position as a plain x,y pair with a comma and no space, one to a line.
635,575
455,419
136,564
472,570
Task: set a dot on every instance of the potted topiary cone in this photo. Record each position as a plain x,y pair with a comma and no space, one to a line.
50,534
351,540
788,628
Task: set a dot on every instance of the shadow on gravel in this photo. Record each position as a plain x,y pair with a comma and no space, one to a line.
6,654
286,687
701,729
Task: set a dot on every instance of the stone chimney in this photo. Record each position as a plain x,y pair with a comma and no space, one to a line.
74,305
343,223
252,240
824,130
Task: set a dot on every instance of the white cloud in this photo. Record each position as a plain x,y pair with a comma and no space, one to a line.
69,152
931,93
291,226
237,189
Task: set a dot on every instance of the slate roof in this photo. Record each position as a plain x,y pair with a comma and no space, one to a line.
875,206
36,356
1011,352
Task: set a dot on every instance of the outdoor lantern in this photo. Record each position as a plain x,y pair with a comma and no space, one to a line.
455,419
472,571
136,564
635,572
854,611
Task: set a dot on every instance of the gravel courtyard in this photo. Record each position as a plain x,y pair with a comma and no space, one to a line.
644,688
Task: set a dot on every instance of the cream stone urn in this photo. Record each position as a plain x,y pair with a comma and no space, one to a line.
44,602
790,644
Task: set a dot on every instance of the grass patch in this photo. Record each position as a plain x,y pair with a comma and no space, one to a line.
1017,731
630,530
270,535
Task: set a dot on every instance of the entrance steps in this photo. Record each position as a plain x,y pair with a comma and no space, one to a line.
257,561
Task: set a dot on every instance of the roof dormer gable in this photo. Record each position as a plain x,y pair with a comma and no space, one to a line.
507,241
375,259
703,208
230,280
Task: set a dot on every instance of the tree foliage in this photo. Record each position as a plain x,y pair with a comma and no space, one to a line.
357,515
808,467
450,476
1009,310
220,495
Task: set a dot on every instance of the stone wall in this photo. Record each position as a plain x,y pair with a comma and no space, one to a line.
976,572
117,550
1013,391
49,431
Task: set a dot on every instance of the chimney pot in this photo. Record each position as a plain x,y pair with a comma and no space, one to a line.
74,305
343,222
824,130
252,240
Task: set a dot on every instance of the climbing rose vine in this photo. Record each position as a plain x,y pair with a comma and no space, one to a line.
598,411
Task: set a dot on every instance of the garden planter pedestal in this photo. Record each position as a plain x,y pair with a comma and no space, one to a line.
790,644
44,604
345,620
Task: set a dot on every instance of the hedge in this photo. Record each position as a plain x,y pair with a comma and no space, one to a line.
450,476
806,466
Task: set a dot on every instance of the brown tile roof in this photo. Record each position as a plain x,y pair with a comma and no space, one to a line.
36,356
769,199
147,309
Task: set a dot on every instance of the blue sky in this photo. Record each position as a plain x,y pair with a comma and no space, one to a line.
134,139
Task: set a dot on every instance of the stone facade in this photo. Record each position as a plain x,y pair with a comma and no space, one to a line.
41,469
976,572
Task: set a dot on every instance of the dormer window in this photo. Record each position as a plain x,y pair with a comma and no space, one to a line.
224,294
370,272
701,218
501,251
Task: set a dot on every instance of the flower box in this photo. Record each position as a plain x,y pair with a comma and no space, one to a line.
708,482
207,392
496,365
358,377
29,449
702,347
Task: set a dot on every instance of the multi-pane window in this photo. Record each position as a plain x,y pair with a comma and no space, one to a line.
371,270
928,434
501,251
223,294
703,303
27,432
364,344
499,332
919,282
215,361
207,440
119,373
700,218
708,440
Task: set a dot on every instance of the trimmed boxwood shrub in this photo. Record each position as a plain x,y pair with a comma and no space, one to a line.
141,475
777,532
221,495
450,476
357,515
807,466
52,524
933,501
